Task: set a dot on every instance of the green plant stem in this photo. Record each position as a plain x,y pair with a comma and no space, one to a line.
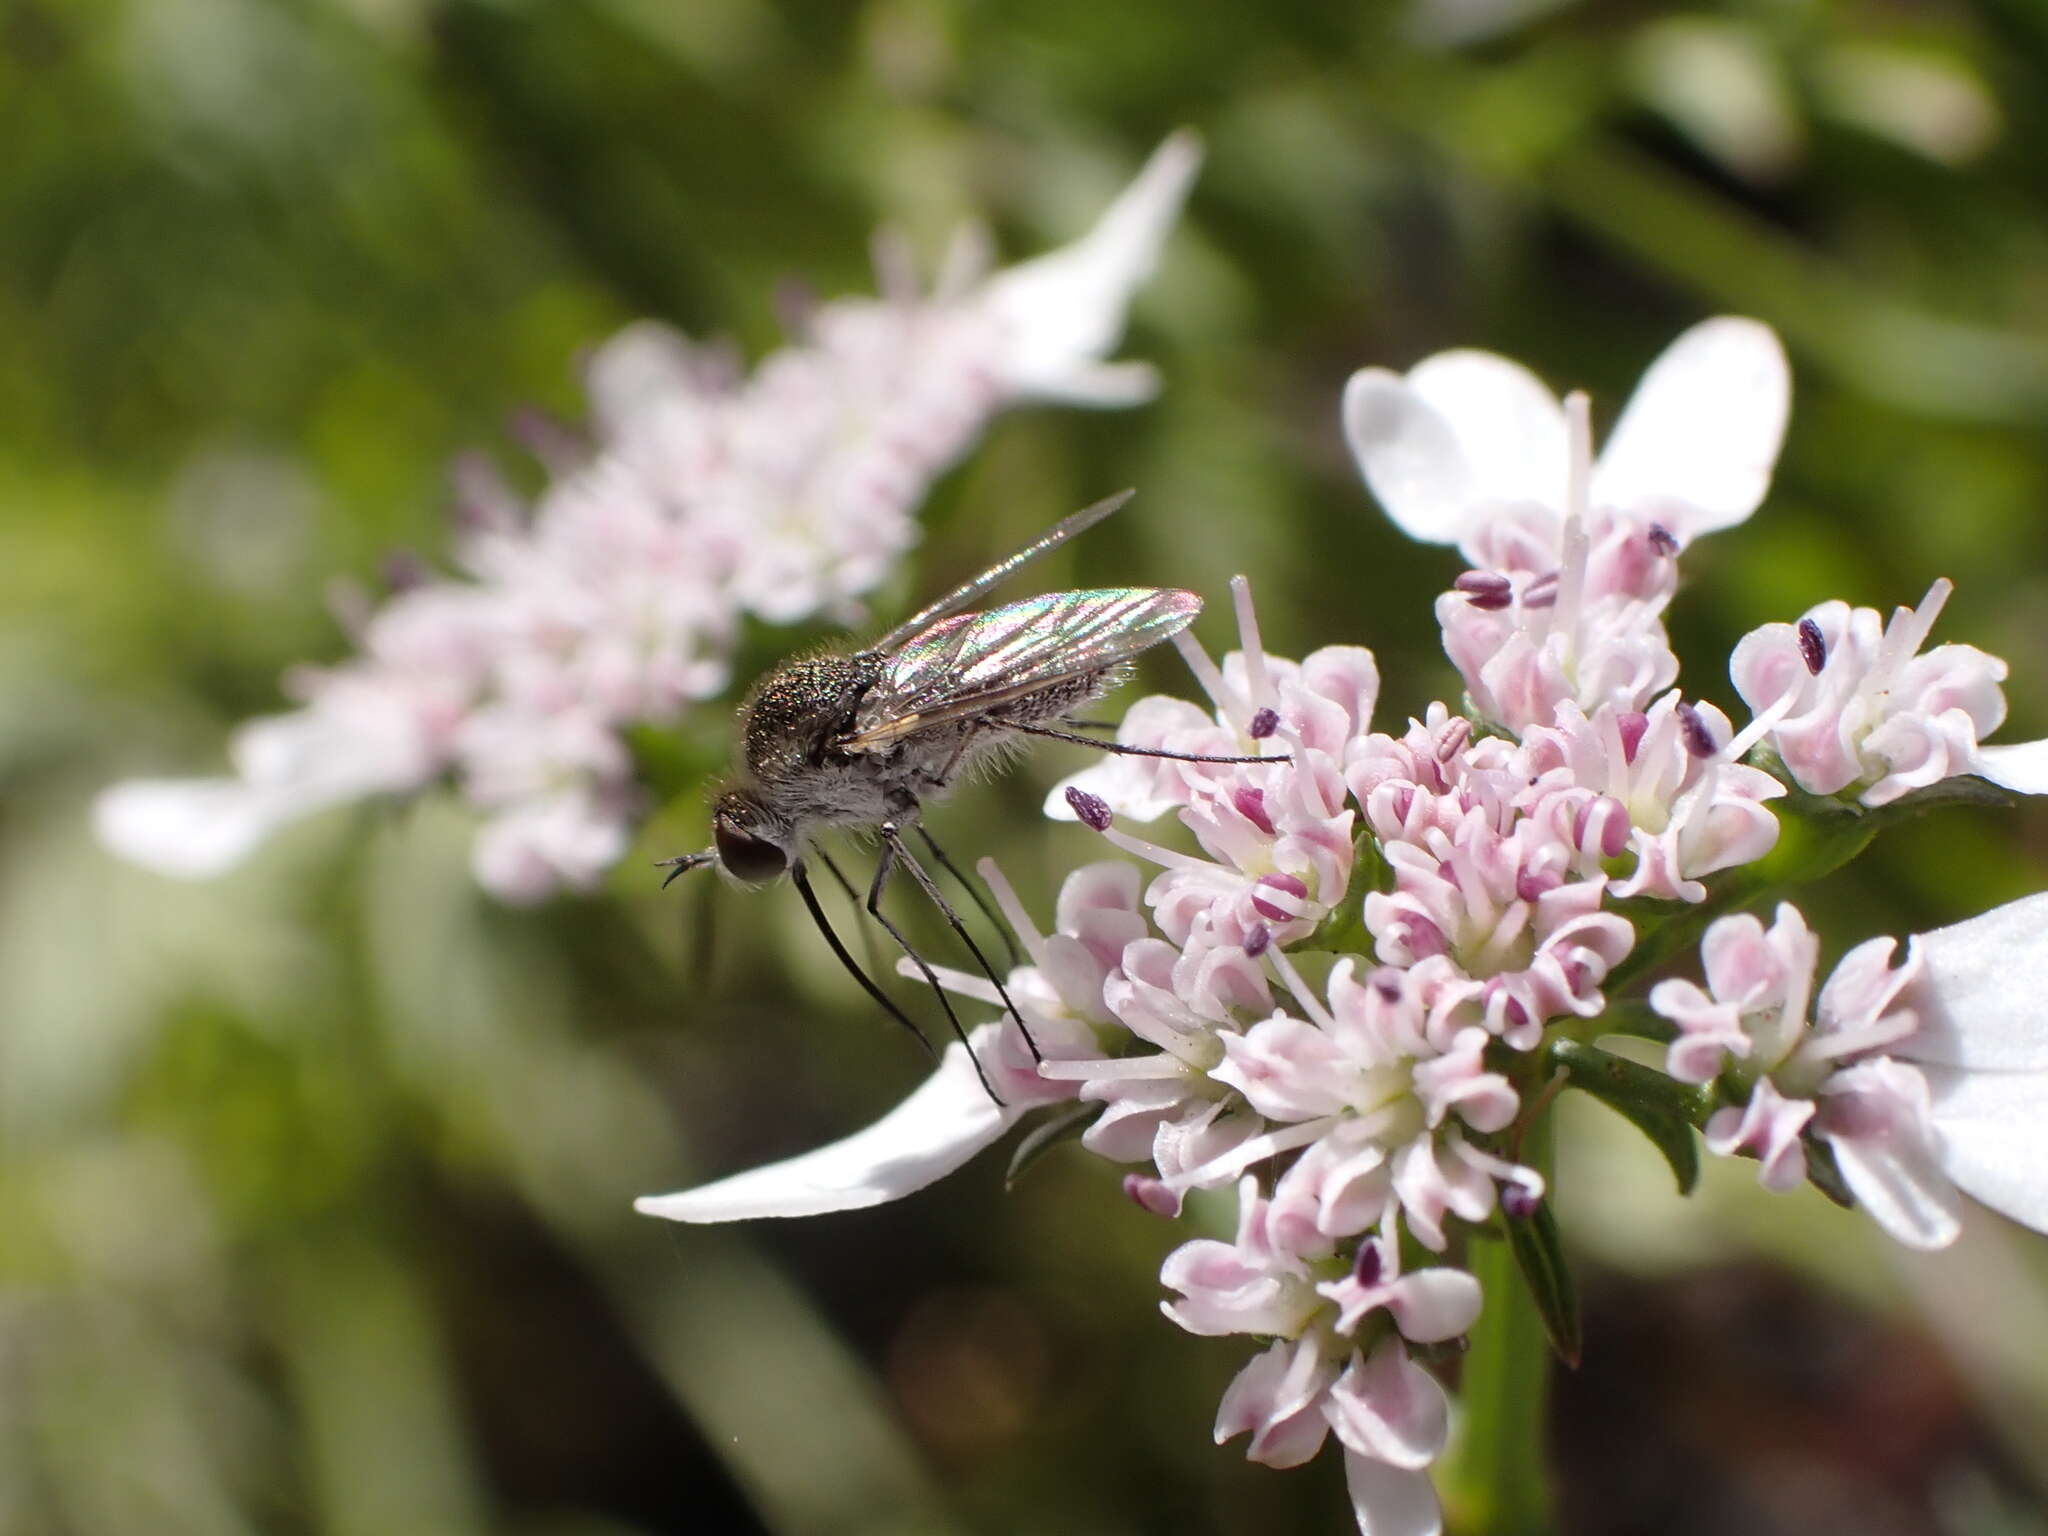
1495,1479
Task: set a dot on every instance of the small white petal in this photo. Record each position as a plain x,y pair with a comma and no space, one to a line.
192,829
1700,435
1980,997
931,1133
1391,1501
1065,309
1509,424
2021,767
1410,457
1992,1127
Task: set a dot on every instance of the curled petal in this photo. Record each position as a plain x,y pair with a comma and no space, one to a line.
1388,1407
1766,1128
931,1133
1876,1117
1276,1398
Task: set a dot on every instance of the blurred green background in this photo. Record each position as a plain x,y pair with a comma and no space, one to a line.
314,1181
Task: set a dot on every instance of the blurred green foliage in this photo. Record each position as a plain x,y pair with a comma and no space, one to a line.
314,1182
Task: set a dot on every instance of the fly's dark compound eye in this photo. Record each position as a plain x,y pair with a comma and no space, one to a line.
746,857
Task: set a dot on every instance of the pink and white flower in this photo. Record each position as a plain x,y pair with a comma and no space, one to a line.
1853,704
1923,1078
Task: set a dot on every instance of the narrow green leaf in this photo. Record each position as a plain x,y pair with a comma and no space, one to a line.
1065,1126
1539,1255
1660,1107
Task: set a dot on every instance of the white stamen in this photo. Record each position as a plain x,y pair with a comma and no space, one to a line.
980,988
1013,909
1122,1069
1166,858
1254,650
1310,1004
1228,704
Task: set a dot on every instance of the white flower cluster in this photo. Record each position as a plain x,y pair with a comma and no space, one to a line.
1225,1020
613,600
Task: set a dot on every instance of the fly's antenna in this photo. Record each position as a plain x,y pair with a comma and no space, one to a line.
1002,571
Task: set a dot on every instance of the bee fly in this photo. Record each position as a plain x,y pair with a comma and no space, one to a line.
863,740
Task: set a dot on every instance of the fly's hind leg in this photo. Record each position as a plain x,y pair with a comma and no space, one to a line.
893,845
892,850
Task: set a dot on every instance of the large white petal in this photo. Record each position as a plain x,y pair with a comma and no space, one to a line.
1994,1138
2021,767
931,1133
1410,457
1509,425
1391,1501
1063,311
1902,1188
1983,998
1696,444
192,829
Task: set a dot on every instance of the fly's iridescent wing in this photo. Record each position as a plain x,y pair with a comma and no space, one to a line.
975,662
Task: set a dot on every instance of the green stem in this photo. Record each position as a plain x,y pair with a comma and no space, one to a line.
1495,1478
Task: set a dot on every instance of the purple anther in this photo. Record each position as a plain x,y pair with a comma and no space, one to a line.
1092,810
1531,885
1251,805
1813,646
1486,590
1257,941
1632,724
1386,981
1663,540
1518,1202
1542,592
404,570
1369,1265
1264,723
1699,741
1281,885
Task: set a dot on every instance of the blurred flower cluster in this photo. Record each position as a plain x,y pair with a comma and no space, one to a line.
1390,949
704,496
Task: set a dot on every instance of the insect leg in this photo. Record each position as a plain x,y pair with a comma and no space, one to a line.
683,863
802,878
974,894
892,849
1120,749
868,947
892,841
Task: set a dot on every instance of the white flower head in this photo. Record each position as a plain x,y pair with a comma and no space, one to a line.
614,600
